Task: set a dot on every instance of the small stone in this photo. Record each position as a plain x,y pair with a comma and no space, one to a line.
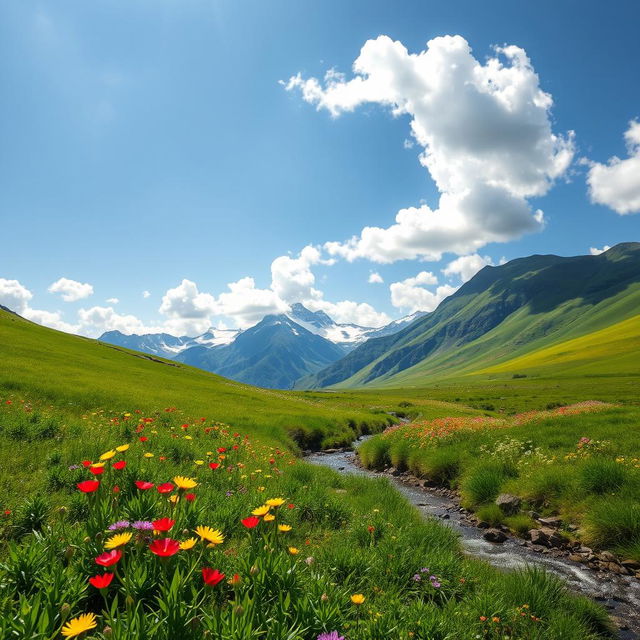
632,565
494,535
508,503
576,557
607,556
552,521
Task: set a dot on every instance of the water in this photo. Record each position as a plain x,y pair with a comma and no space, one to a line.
619,594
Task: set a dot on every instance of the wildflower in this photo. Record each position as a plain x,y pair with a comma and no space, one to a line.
212,577
86,463
143,438
221,449
166,487
275,502
294,551
122,448
417,577
121,464
119,540
142,485
142,525
291,506
88,486
483,618
109,558
214,465
212,536
79,625
357,598
121,524
185,483
101,581
148,455
261,511
96,471
332,635
188,544
164,524
495,619
284,527
164,548
198,462
107,455
173,499
250,522
269,517
236,580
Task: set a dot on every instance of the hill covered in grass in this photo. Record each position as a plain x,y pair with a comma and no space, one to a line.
503,312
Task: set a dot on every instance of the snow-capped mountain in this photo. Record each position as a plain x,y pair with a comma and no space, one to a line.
166,345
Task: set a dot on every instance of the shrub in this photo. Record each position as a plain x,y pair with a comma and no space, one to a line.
374,453
442,464
520,523
482,483
613,522
548,484
491,513
600,475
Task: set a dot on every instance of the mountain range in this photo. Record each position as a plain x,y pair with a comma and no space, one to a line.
503,314
274,353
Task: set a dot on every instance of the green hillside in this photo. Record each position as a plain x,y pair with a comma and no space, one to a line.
503,312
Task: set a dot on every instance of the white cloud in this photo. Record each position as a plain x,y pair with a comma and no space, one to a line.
409,295
14,295
52,319
112,300
467,266
486,135
375,278
350,312
617,183
146,294
187,309
247,305
292,279
71,290
95,321
408,144
594,251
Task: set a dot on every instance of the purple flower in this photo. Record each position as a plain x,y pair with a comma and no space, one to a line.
332,635
143,525
121,524
73,467
417,577
424,570
228,494
434,582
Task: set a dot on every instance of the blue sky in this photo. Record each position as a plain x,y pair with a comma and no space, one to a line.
151,143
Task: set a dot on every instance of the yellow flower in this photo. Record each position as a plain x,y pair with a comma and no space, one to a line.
199,462
209,453
122,448
269,517
284,527
261,511
97,465
275,502
188,544
357,598
108,455
294,551
184,483
148,455
261,488
188,438
210,535
119,540
174,498
79,625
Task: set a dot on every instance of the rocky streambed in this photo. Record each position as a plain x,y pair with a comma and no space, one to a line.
600,576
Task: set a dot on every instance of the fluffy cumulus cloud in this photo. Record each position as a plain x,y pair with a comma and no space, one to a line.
71,290
410,294
465,267
375,278
95,321
187,309
486,137
594,251
350,312
617,183
292,279
14,295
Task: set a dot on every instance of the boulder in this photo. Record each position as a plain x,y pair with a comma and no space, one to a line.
546,537
508,503
494,535
607,556
632,565
552,521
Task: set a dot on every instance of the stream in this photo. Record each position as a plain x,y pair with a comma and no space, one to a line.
620,595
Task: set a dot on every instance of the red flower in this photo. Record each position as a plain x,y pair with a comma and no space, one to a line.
235,446
88,486
221,449
86,463
121,464
143,438
291,506
101,581
143,486
164,524
185,426
214,465
109,558
250,522
116,489
211,577
96,471
167,487
190,497
165,547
